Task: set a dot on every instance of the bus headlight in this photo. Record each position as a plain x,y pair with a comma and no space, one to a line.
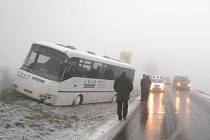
189,85
178,84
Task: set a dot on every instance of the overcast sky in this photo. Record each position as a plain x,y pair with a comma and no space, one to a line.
166,37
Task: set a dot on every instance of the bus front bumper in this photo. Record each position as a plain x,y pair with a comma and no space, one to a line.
32,93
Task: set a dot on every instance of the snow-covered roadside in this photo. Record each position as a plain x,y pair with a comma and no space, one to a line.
103,132
95,131
202,94
23,118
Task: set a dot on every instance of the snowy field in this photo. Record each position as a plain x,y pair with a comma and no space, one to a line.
24,118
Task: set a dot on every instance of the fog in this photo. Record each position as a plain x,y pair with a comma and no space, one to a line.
165,37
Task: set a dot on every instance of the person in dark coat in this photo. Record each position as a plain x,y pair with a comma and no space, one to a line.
148,85
123,86
145,88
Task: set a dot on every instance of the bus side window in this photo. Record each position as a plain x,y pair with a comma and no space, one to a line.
100,69
109,73
83,68
71,70
96,70
118,71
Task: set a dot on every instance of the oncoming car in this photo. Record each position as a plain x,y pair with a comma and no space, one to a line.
157,85
182,83
167,81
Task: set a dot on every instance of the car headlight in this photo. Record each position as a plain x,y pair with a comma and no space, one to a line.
178,84
152,86
162,86
189,85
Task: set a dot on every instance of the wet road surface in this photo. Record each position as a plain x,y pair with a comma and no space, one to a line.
171,115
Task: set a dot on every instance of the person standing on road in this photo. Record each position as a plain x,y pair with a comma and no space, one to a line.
148,85
123,86
145,88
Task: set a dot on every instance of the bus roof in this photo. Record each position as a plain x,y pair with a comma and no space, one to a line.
85,55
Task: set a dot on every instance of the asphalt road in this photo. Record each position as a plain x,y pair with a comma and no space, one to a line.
170,116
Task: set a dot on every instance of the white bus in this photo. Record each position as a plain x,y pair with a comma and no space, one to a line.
61,75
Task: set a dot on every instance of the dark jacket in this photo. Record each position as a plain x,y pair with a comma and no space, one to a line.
123,87
145,88
145,84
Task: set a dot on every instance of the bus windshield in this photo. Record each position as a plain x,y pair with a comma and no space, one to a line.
45,62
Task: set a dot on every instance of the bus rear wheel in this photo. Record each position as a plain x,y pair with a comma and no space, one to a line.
77,100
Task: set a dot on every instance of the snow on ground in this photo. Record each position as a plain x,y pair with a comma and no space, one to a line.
24,118
203,94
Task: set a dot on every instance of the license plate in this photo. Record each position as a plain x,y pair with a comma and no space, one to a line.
28,91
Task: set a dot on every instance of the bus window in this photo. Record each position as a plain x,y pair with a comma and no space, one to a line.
86,65
93,73
30,59
45,62
117,72
71,70
96,70
84,68
42,59
108,73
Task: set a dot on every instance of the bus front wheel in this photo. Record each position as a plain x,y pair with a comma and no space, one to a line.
77,100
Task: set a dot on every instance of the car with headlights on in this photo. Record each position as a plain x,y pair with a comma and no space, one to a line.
167,81
182,83
157,85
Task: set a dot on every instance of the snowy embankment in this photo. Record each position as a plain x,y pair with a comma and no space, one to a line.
23,118
203,94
